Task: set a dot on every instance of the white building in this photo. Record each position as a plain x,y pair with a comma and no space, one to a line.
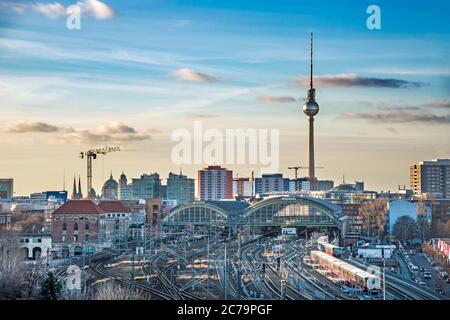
33,246
399,208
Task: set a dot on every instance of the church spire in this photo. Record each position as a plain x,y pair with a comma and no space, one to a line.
74,189
80,194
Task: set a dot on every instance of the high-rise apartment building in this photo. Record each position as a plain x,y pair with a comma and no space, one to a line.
431,177
271,183
180,188
243,187
6,188
215,183
148,186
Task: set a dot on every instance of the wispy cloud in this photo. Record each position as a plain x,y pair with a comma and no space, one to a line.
187,74
277,99
392,130
439,104
30,126
397,117
16,7
112,132
386,107
51,10
200,116
93,8
442,104
352,80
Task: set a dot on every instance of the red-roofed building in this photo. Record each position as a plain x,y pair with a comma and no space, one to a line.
75,228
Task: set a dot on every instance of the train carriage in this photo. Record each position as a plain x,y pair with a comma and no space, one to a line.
347,271
329,249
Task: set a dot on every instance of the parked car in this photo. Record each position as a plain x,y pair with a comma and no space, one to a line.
444,275
439,290
427,275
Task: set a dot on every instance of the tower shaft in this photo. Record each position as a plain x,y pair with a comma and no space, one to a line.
311,166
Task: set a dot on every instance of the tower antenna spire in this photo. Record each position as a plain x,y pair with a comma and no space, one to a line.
311,61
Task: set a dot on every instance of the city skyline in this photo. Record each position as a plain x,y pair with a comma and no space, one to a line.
381,110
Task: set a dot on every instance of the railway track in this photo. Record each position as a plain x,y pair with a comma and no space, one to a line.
100,269
403,289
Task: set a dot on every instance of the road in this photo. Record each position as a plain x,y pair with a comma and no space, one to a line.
420,261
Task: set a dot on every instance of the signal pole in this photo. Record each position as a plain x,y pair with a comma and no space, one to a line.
207,261
225,275
239,265
384,279
132,270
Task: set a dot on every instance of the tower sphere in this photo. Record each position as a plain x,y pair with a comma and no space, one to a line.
311,108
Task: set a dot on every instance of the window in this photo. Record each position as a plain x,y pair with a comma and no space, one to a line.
86,237
75,237
65,226
86,226
75,226
39,240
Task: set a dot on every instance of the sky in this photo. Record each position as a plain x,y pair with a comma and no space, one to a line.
137,71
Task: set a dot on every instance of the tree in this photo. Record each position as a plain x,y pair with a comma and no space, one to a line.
423,223
27,222
374,215
442,229
405,228
19,278
51,289
114,291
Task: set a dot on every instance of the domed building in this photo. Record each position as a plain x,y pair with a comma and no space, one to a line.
110,189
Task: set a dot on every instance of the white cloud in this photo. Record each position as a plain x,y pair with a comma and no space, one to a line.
93,8
115,127
187,74
52,10
96,9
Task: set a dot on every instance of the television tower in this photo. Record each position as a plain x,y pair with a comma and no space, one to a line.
311,108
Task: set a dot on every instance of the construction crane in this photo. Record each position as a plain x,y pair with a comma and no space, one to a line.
296,168
92,154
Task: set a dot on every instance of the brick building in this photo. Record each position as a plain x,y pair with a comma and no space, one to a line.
75,228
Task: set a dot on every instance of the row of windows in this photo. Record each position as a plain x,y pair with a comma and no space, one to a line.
75,226
115,215
75,238
28,240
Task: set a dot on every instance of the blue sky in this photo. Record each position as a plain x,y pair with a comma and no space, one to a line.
155,66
